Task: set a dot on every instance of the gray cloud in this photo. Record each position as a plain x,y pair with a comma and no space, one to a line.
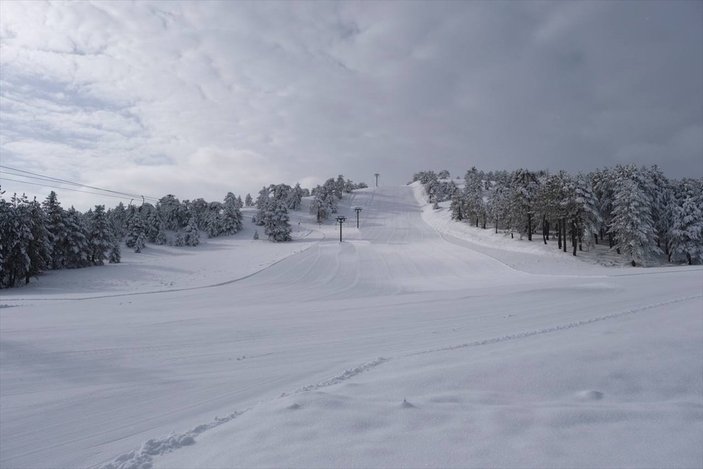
201,98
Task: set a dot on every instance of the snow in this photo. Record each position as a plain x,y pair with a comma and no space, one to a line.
416,342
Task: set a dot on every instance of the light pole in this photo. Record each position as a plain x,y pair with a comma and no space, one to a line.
340,220
377,175
357,210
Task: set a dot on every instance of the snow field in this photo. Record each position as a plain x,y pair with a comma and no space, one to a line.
401,346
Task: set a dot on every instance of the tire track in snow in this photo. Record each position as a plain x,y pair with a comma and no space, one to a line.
143,458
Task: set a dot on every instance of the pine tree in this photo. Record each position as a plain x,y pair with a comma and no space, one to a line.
136,233
57,233
172,212
687,229
100,236
231,215
457,206
77,251
248,201
39,247
17,236
191,235
295,197
524,187
473,196
118,219
276,222
632,222
115,255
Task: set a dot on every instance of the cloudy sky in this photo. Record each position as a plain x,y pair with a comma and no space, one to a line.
197,99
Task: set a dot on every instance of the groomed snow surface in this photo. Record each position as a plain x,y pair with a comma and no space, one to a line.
417,342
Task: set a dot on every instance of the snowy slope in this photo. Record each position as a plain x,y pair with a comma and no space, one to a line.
307,363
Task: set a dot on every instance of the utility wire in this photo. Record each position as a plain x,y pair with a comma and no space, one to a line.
33,175
3,178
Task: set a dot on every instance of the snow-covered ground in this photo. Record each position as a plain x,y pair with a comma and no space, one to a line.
411,344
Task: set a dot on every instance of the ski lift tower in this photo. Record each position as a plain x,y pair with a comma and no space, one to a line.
357,210
377,175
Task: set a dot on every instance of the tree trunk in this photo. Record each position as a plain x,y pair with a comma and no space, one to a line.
529,226
547,223
573,237
563,227
559,233
688,257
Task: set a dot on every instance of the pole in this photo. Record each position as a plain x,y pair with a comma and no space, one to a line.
357,209
340,220
377,175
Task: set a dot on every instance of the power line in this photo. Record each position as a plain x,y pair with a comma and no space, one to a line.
3,178
33,175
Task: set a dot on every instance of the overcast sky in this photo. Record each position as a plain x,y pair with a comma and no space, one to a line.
197,99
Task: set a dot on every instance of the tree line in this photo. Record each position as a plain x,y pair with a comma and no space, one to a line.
637,211
35,237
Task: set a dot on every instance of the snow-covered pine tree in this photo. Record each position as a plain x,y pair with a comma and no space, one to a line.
457,206
172,212
39,247
248,201
136,233
100,236
56,231
588,218
295,197
231,215
115,254
473,196
632,223
524,187
117,217
191,235
687,229
77,250
17,235
276,222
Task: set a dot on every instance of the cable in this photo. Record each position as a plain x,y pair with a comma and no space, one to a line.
64,181
2,178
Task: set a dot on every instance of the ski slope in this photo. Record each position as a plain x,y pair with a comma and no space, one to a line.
407,345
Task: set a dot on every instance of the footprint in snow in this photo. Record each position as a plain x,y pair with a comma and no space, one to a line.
590,395
407,405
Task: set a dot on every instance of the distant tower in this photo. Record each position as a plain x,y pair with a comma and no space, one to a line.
377,175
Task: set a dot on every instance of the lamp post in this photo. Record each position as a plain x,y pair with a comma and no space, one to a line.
340,220
377,175
357,210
